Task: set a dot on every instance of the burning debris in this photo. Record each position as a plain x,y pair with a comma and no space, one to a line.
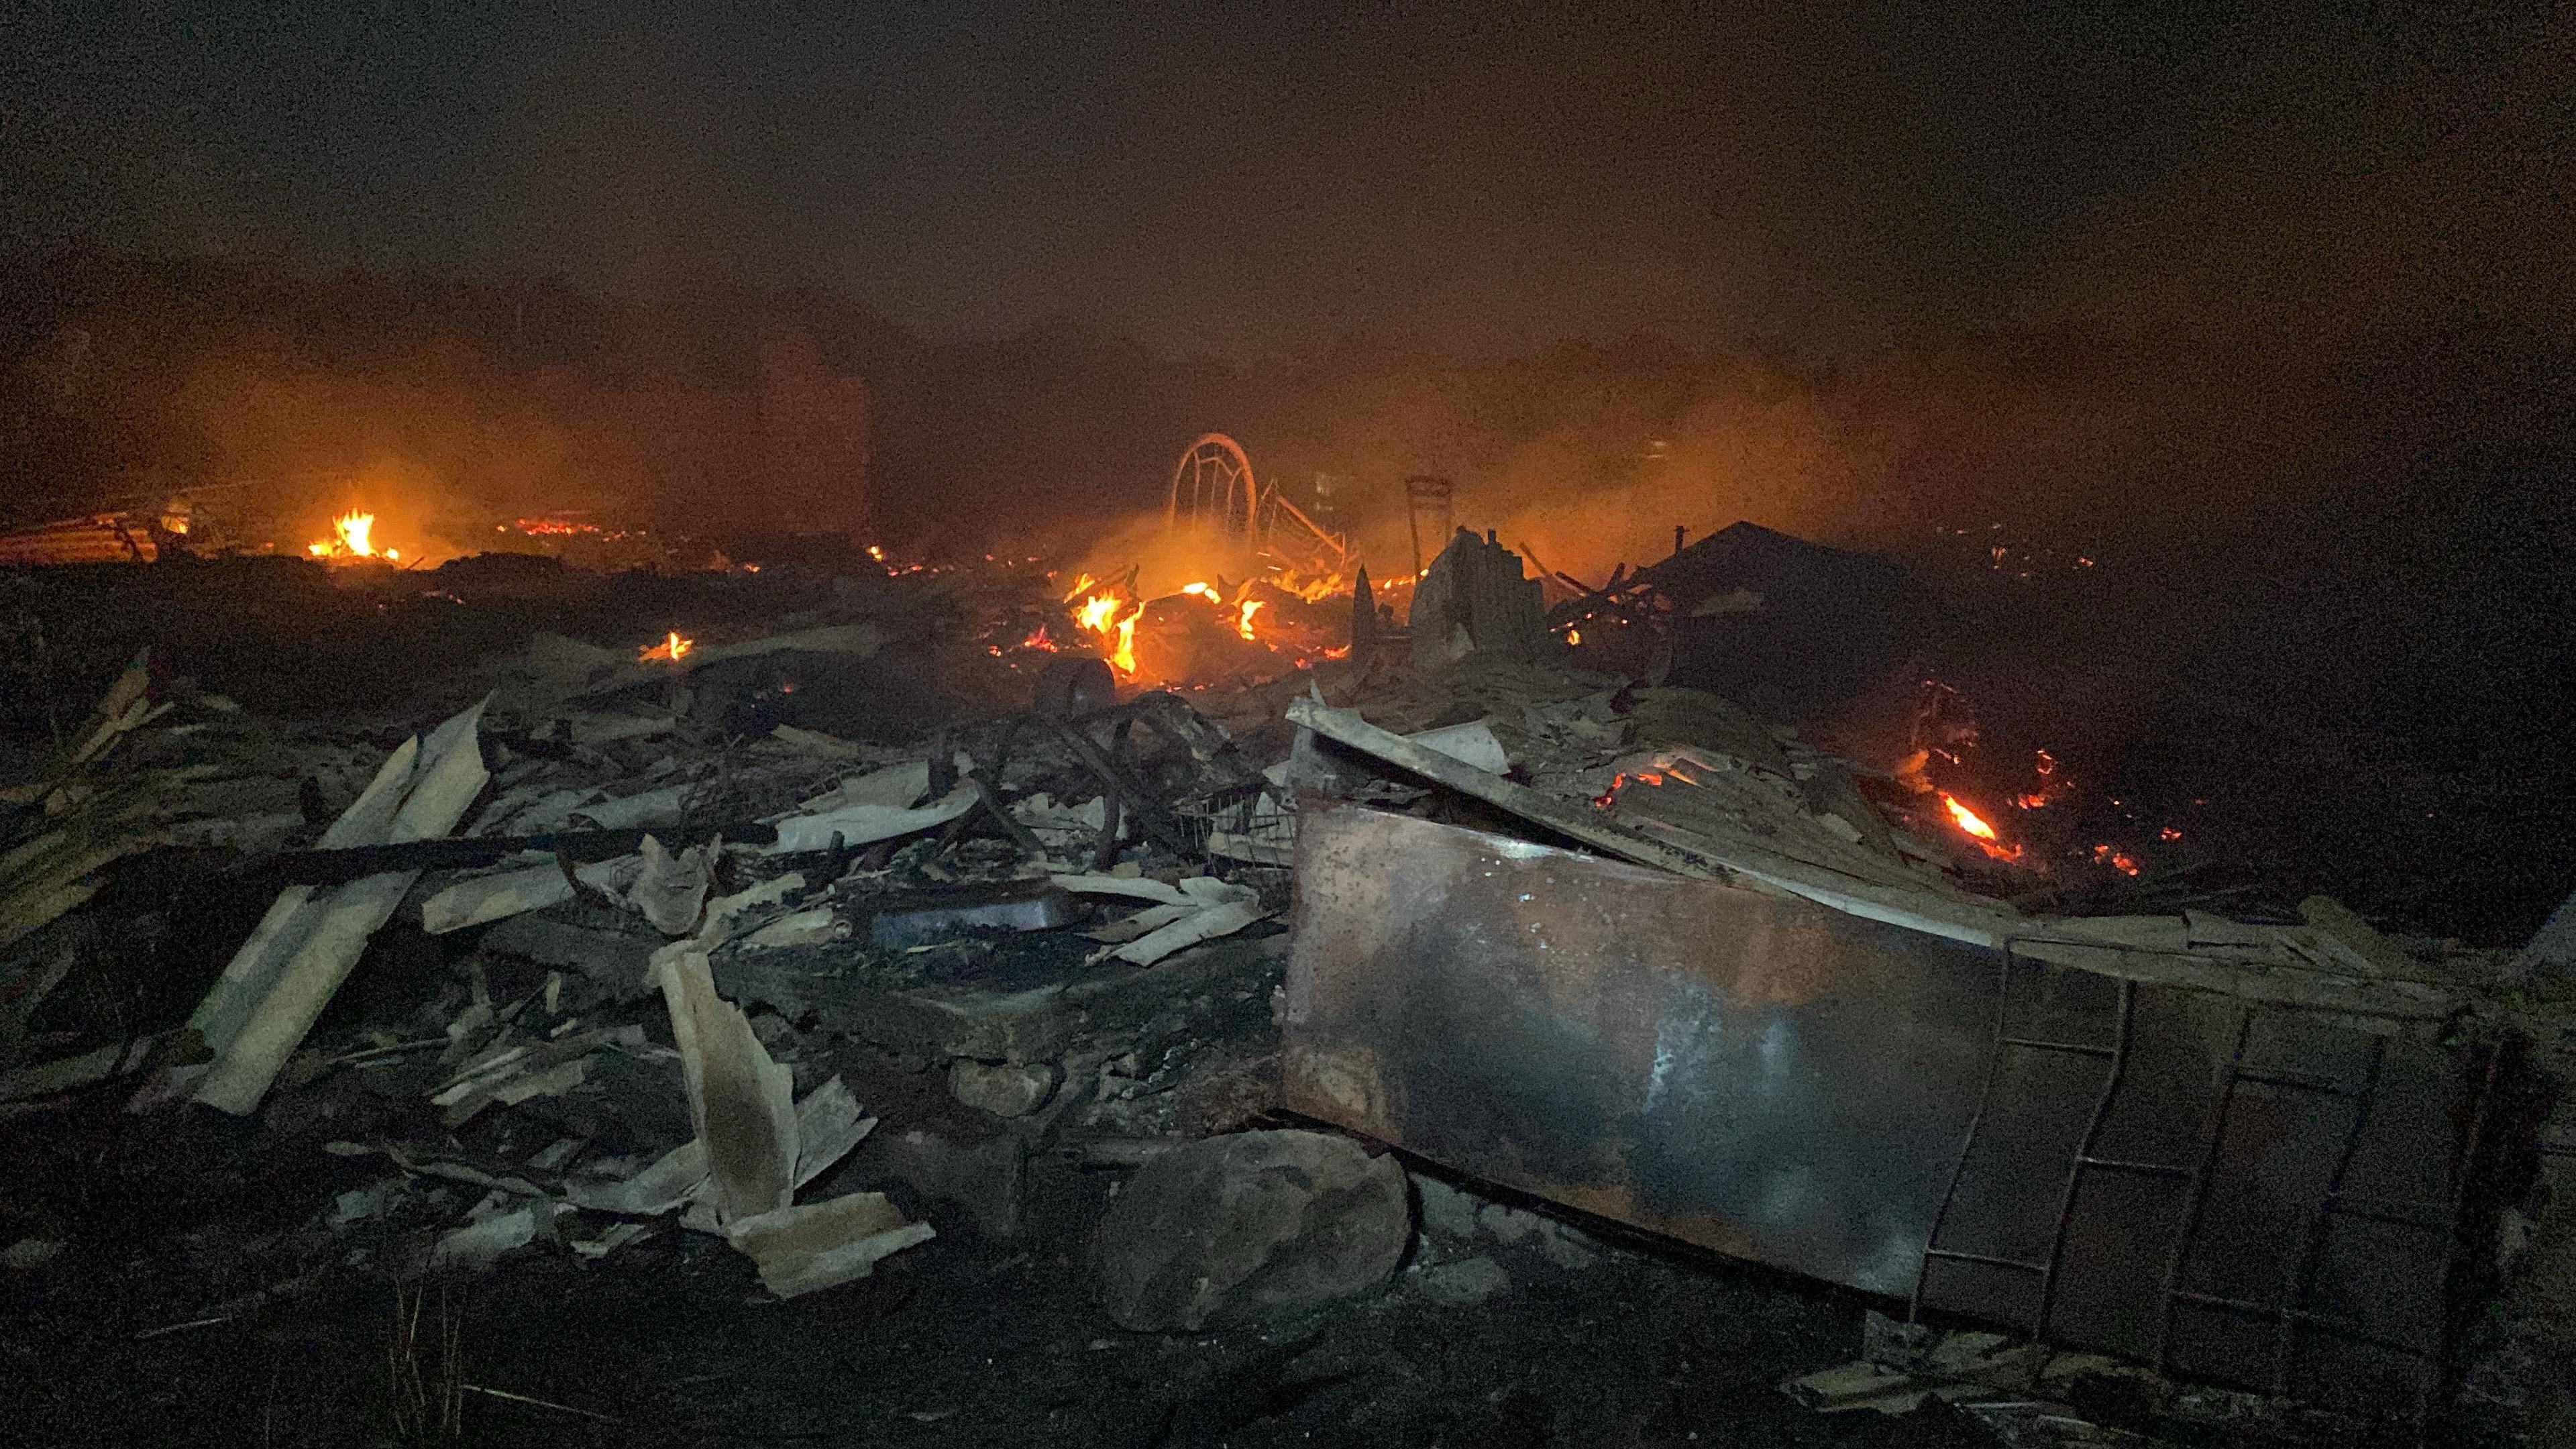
352,537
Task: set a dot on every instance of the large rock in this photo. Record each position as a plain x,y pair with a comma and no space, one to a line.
1001,1088
1252,1228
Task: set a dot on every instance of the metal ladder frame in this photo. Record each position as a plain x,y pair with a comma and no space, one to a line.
2289,1313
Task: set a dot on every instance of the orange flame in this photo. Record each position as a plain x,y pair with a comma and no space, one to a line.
1100,614
1123,657
1097,613
673,646
1975,828
1967,819
1243,622
352,537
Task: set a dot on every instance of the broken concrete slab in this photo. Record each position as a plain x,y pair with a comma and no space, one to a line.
1254,1228
938,1022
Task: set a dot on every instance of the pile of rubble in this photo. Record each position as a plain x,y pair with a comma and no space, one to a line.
605,955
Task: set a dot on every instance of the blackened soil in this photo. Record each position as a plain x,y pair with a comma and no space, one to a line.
961,1341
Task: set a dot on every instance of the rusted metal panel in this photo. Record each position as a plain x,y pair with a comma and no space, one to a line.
1754,1073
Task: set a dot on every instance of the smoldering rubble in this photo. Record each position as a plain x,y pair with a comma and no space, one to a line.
864,942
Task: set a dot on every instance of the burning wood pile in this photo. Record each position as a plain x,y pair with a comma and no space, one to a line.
824,916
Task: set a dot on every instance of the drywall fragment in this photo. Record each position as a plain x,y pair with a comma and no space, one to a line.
254,968
1206,925
671,890
450,777
1150,919
866,824
822,1245
1134,887
513,893
476,1247
741,1102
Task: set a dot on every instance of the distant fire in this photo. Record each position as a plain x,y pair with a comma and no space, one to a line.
675,645
353,536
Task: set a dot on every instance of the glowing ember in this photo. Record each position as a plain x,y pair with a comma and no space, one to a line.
1038,639
673,646
1204,591
876,553
2045,766
1573,636
1243,621
2117,860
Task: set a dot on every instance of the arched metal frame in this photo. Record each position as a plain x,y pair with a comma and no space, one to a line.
1214,484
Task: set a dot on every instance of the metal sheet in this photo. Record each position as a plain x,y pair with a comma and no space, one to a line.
1753,1073
2236,1191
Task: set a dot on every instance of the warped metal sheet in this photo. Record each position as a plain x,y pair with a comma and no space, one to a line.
1757,1074
2239,1192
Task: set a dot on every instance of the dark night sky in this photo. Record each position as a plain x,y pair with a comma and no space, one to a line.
1255,180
